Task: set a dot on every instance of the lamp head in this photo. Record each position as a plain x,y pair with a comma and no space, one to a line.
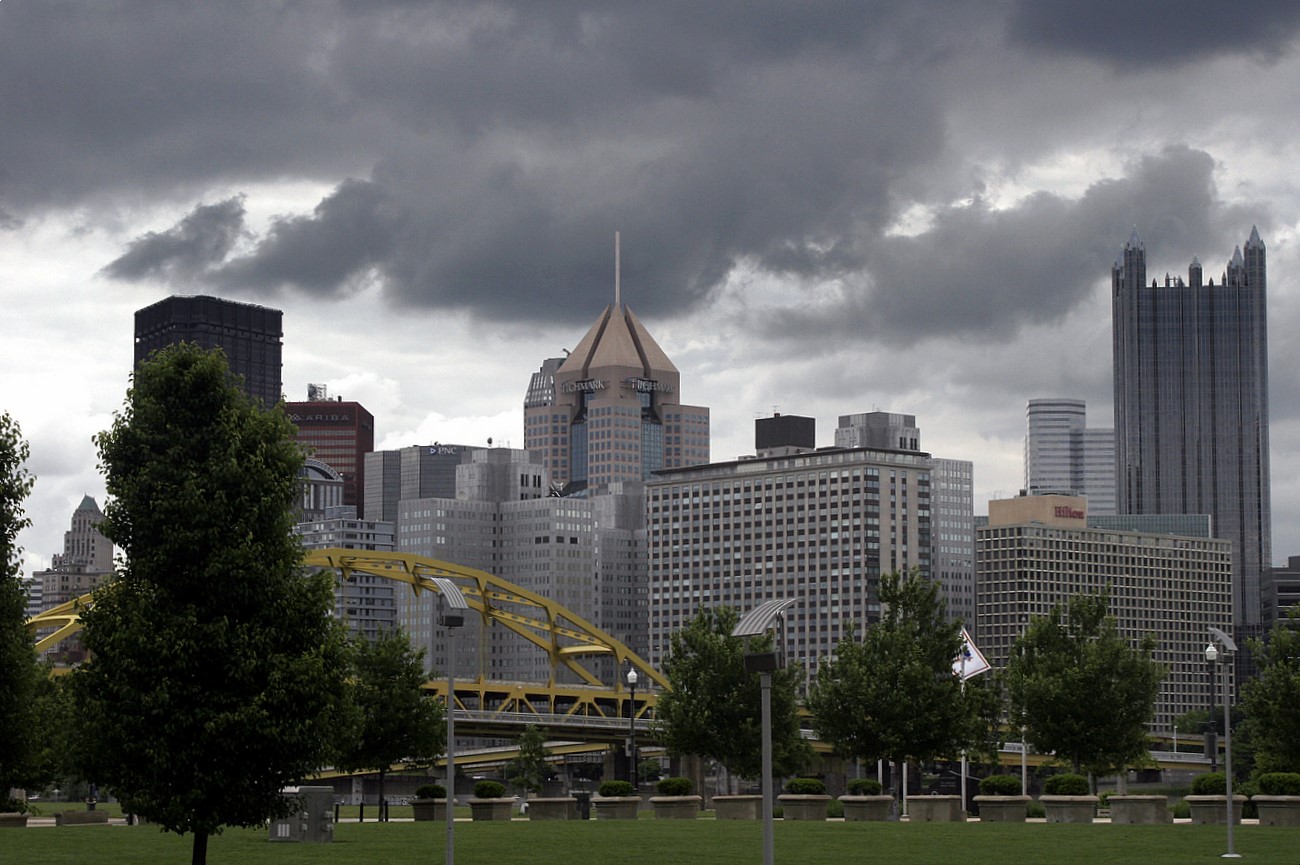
1211,653
632,677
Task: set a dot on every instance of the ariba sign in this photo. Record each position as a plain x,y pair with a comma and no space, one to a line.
322,418
1068,513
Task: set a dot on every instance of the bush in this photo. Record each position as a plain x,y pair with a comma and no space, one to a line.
12,806
1000,785
1249,810
835,809
616,788
1279,783
805,787
1182,810
489,790
1209,784
431,791
1066,785
674,787
1035,809
864,787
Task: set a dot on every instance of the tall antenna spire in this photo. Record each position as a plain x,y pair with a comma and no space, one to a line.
618,289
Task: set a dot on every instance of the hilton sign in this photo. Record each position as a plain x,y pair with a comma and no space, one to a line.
1068,513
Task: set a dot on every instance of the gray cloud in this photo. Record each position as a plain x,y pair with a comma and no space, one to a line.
199,241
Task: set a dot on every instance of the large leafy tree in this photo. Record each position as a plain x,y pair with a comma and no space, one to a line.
217,676
1272,699
714,708
19,672
1080,690
892,694
396,723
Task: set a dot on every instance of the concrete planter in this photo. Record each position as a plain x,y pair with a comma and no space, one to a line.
935,809
81,818
803,806
1068,809
1208,810
1002,809
616,807
861,809
491,809
429,809
555,808
12,820
737,807
1277,810
1139,810
676,807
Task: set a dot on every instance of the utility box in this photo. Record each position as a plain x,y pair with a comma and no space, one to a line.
312,822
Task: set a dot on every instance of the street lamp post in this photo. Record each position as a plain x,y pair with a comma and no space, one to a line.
754,623
452,607
631,725
1212,654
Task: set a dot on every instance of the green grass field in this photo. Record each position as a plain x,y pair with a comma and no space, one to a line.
665,842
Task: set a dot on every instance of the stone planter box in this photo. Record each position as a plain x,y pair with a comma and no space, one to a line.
555,808
1207,810
616,807
491,809
676,807
1277,810
860,809
1068,809
1002,809
803,806
429,809
935,809
12,820
737,807
81,818
1139,810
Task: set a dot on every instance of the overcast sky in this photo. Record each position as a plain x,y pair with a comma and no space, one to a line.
826,207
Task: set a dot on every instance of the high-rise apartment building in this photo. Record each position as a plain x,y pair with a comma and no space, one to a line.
365,603
339,434
86,560
1039,551
610,412
249,335
1191,407
1064,455
820,526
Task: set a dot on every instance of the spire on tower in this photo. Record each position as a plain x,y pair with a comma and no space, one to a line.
618,272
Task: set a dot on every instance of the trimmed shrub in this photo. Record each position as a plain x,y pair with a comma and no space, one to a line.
1035,809
1279,783
610,789
835,809
1000,785
805,787
673,787
431,791
865,787
1209,784
1249,810
489,790
1182,810
1066,785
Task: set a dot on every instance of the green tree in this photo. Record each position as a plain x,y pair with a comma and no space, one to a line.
217,675
892,695
1080,690
527,771
20,673
1272,700
395,722
714,708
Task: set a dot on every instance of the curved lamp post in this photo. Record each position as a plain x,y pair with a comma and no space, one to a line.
452,608
755,623
631,725
1213,654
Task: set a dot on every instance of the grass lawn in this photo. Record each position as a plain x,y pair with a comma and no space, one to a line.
656,842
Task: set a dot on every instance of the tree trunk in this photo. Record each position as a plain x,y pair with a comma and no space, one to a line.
199,856
383,809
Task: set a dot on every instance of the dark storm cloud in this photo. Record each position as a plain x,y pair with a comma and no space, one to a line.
1156,32
202,239
978,270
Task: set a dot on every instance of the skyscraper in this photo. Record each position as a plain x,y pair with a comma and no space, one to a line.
339,434
611,411
249,335
1064,455
1191,406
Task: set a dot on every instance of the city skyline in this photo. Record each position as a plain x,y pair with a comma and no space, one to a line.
910,208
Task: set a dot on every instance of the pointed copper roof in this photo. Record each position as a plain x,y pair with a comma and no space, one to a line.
617,339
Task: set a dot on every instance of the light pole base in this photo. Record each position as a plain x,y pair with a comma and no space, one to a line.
1230,856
